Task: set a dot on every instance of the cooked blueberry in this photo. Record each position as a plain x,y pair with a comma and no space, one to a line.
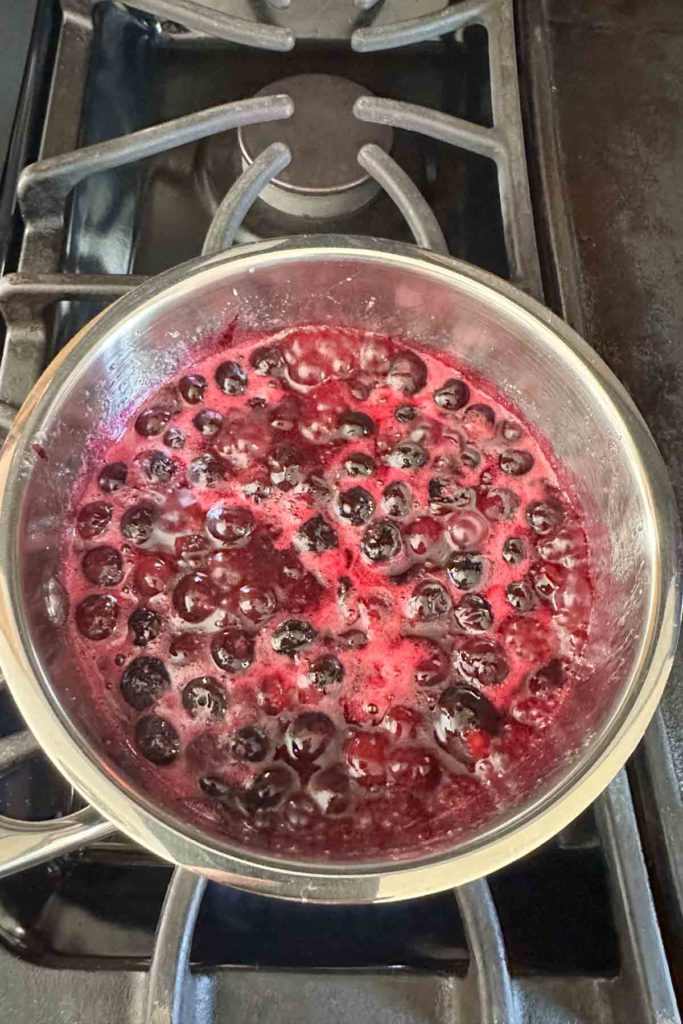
205,470
547,580
515,462
193,597
460,709
232,650
256,603
145,625
513,550
232,525
453,395
397,500
144,681
192,388
325,671
497,503
407,455
270,789
103,566
287,466
204,696
353,639
445,494
308,736
250,744
405,413
112,477
511,431
465,569
416,768
231,378
174,438
291,636
97,616
157,739
433,669
357,505
480,417
158,467
317,535
256,402
352,425
267,361
214,786
548,678
407,373
545,517
471,457
192,551
93,519
331,790
208,422
381,541
520,595
429,601
137,524
152,421
359,464
473,614
481,660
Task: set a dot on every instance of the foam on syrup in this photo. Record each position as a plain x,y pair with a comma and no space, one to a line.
290,600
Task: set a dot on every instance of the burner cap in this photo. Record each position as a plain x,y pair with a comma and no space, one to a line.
324,178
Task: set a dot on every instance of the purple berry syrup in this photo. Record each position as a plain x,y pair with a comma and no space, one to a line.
328,593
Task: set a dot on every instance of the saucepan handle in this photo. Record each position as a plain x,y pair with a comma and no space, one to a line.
24,844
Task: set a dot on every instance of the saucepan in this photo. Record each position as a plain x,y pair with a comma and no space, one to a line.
551,374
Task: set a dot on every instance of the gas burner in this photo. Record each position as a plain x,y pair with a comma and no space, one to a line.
324,179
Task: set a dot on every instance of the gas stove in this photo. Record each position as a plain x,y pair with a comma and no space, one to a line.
168,128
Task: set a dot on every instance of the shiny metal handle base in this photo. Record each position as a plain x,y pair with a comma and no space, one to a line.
24,844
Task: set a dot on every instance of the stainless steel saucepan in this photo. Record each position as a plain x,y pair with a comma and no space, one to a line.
557,381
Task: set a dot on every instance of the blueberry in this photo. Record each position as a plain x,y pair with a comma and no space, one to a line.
214,786
158,467
174,438
97,616
473,614
208,422
317,535
137,524
405,413
331,790
144,681
407,455
267,361
445,494
515,462
397,500
513,550
433,669
480,418
193,597
497,503
250,744
381,541
520,595
548,678
308,736
407,373
152,421
204,696
326,671
481,660
453,395
359,464
256,603
231,378
545,517
270,789
205,470
416,768
232,650
157,739
465,569
103,566
471,457
232,525
287,464
112,477
145,626
353,425
461,709
192,388
357,505
291,636
429,601
93,519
